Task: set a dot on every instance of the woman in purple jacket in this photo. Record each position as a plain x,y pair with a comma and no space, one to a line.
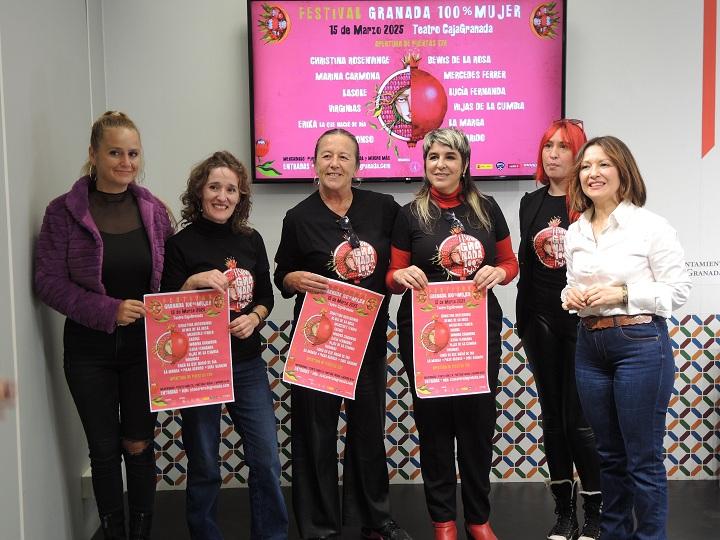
100,250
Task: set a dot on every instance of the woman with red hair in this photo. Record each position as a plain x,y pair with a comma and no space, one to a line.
549,333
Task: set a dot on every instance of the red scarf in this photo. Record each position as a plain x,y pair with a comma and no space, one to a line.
444,201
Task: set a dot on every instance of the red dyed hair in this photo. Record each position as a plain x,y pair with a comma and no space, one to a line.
574,136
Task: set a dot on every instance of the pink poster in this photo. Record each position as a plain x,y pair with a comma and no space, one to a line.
390,72
188,349
330,339
450,339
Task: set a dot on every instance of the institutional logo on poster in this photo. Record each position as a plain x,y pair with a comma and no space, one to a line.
549,245
241,285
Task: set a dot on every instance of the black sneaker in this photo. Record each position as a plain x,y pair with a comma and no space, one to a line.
389,531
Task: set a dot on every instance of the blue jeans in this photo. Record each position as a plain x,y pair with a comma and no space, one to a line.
625,379
254,419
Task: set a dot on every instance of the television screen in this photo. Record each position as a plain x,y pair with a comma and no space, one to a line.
390,72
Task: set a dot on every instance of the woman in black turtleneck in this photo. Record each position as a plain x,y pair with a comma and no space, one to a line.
447,204
217,249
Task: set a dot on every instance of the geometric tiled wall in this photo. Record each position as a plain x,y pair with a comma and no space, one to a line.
692,439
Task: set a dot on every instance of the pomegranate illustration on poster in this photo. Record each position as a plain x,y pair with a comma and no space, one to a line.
331,337
450,339
188,349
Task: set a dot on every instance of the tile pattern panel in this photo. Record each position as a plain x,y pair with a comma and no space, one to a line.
692,438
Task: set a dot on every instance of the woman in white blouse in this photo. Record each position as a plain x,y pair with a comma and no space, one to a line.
626,274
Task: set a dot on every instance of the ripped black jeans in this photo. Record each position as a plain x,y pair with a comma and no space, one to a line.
549,343
107,376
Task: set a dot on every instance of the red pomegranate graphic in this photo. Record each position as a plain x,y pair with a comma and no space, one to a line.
544,20
262,147
410,102
274,24
460,255
549,245
429,101
318,329
435,335
172,346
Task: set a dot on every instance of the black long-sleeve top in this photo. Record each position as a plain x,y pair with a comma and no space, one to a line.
203,246
313,241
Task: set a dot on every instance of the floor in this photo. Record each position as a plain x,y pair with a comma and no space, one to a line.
521,511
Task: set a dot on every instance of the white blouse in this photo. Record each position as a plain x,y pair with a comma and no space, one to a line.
637,248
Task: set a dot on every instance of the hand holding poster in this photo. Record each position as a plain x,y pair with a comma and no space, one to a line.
450,339
330,339
188,349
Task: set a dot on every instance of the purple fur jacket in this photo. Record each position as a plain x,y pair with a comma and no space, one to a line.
69,253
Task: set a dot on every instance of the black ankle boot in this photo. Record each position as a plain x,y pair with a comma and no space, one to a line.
566,526
140,525
592,505
113,526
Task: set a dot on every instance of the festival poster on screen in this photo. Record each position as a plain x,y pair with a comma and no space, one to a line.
330,339
390,72
188,349
450,339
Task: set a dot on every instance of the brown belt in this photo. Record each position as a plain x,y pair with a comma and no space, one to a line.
610,321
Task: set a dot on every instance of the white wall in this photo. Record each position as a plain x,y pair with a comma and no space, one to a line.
46,91
181,71
9,455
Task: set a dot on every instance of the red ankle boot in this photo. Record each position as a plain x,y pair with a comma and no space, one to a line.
445,530
479,532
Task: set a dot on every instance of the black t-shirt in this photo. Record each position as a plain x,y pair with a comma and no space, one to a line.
547,255
203,246
313,241
449,255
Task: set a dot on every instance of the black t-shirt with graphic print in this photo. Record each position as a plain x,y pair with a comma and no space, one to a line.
313,240
203,246
548,255
446,255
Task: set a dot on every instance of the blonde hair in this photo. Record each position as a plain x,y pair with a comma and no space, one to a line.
423,206
108,120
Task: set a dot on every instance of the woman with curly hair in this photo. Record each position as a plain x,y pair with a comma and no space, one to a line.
219,250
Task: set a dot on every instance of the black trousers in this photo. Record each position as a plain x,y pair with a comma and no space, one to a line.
549,343
469,422
107,377
365,489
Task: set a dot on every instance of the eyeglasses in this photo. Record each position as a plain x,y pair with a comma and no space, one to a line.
456,226
573,121
349,233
